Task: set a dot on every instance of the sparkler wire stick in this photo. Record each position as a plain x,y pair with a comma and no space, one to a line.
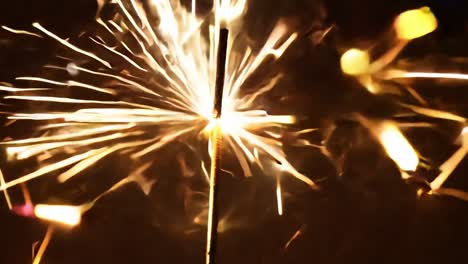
217,140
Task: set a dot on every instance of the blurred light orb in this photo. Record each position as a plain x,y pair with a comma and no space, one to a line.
415,23
62,214
355,62
72,69
398,148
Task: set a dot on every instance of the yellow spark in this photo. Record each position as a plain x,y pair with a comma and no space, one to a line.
67,44
415,23
44,245
5,192
394,143
398,148
21,32
62,214
427,75
355,62
49,168
451,192
295,236
435,113
451,164
279,195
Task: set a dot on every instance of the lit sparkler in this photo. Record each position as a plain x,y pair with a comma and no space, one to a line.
155,83
373,75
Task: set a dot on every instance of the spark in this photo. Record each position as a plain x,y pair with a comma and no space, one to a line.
295,236
394,142
63,214
21,32
7,196
279,195
449,166
426,75
44,245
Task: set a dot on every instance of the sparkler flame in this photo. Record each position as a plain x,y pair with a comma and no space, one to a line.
155,84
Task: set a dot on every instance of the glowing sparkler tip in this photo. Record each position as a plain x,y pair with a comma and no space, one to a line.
63,214
398,148
355,62
415,23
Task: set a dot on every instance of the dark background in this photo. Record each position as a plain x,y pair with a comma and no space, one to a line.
366,215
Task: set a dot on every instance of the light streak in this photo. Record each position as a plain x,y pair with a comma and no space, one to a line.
21,32
426,75
451,164
394,142
279,195
5,192
45,243
398,148
295,236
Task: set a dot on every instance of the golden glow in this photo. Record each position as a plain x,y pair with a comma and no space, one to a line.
62,214
398,148
355,62
415,23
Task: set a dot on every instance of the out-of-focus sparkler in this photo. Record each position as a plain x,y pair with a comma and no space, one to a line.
142,86
67,215
373,75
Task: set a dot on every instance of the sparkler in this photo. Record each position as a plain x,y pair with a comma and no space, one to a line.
142,86
409,25
217,139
